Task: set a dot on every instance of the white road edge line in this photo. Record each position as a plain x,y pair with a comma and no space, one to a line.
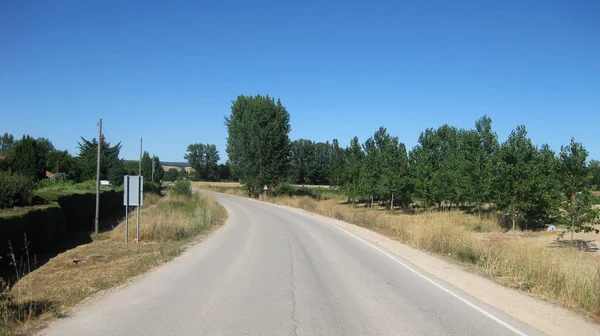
451,293
465,301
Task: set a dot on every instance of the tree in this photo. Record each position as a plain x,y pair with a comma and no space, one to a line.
438,166
258,143
6,141
595,168
171,175
131,167
354,159
337,165
159,172
28,157
111,167
204,158
301,161
60,161
146,166
224,172
516,175
577,213
480,148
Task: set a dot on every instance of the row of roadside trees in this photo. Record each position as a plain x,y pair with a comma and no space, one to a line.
26,162
449,167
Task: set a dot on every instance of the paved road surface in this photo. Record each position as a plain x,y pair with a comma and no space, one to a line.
275,271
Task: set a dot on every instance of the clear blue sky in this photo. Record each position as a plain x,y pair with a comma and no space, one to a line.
167,71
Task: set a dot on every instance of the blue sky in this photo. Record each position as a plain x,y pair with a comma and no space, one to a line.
167,71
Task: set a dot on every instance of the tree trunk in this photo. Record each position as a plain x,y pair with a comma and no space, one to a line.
514,223
392,206
571,236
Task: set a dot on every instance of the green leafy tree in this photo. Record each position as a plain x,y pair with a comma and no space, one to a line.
595,168
258,143
225,172
6,141
111,167
478,149
146,166
131,167
516,175
27,157
159,171
577,213
301,161
354,159
437,166
60,161
337,165
171,175
204,158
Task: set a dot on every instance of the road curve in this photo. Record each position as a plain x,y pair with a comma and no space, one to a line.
276,271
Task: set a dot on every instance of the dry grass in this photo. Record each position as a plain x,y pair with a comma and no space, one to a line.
202,185
174,218
167,227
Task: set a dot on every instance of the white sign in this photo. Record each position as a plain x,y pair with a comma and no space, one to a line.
266,188
133,190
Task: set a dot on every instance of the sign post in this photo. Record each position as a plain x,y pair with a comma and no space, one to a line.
133,194
265,189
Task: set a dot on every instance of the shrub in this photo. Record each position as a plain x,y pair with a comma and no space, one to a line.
14,190
152,187
58,179
181,188
284,189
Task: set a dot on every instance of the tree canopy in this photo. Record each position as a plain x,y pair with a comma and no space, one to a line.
204,158
112,168
258,144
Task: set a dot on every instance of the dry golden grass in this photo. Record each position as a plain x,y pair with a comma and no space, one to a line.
563,275
202,185
70,277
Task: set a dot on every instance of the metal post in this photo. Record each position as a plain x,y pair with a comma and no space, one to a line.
137,229
127,210
98,178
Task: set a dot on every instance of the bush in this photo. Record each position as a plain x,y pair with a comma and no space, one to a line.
51,182
152,187
181,188
284,189
14,190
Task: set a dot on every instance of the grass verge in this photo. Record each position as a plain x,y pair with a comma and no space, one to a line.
166,228
565,276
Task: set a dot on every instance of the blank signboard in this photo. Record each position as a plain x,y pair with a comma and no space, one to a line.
133,188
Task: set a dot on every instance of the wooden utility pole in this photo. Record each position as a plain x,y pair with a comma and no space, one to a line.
98,178
137,231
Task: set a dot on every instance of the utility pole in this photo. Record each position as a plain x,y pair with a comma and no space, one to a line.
152,168
137,231
98,178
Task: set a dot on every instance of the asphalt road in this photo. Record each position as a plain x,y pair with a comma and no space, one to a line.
275,271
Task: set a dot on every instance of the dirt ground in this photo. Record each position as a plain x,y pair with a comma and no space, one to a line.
548,238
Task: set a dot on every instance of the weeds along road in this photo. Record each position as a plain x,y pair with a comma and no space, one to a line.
275,271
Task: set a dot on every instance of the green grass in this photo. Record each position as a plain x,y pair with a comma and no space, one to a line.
595,200
52,193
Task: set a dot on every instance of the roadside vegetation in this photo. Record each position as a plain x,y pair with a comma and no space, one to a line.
459,193
526,261
167,225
